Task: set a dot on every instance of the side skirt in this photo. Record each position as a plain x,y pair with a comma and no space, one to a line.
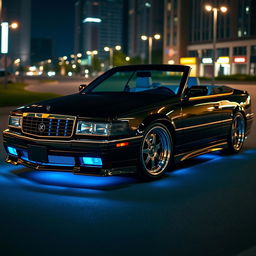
219,145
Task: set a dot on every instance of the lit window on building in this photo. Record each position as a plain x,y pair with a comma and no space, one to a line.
239,33
169,7
147,4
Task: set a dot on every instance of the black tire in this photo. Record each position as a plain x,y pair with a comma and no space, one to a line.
155,155
236,135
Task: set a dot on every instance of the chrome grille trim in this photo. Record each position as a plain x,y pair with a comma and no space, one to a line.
55,126
18,135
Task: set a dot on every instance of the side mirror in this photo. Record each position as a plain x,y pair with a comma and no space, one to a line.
82,86
197,90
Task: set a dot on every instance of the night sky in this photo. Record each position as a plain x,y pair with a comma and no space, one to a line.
54,19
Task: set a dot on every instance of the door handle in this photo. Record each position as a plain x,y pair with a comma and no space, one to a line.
216,106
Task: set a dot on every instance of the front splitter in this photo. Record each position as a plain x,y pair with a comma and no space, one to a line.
79,170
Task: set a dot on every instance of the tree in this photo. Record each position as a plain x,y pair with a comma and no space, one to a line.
96,64
119,59
135,60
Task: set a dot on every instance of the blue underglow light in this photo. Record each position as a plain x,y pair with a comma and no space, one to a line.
53,160
92,161
12,151
64,160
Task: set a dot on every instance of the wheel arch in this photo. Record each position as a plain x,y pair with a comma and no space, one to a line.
242,111
158,118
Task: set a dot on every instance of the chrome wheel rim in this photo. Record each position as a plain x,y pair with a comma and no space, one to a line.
238,132
156,150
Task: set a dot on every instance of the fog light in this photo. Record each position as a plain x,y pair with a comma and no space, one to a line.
12,151
92,161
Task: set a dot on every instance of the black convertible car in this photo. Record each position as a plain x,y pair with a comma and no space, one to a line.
132,119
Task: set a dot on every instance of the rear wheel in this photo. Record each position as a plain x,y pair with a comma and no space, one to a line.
237,133
155,152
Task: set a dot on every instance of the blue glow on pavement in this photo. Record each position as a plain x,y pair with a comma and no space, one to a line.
210,156
65,179
5,168
250,151
182,171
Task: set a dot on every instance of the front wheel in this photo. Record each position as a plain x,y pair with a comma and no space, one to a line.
237,133
155,152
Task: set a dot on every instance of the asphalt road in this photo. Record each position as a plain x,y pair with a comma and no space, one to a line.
206,206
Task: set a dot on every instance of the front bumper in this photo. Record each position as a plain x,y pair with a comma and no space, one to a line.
115,160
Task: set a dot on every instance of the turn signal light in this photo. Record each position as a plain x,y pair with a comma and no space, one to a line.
123,144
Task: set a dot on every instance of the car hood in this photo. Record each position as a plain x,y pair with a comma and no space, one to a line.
98,105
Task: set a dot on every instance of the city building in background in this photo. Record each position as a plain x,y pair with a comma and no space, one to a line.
19,40
145,18
78,35
98,23
41,49
188,36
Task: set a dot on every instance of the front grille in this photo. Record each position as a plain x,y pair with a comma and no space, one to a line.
48,127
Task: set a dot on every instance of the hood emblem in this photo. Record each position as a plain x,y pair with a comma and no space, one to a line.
48,108
41,127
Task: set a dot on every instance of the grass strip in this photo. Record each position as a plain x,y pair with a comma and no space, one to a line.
16,95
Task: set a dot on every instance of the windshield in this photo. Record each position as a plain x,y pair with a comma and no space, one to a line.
139,81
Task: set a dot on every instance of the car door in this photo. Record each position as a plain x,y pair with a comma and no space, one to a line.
201,122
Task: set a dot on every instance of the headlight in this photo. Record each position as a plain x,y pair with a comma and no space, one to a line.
89,128
101,129
15,121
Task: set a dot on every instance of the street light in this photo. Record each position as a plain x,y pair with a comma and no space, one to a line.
208,7
223,9
14,25
215,10
150,44
118,48
111,53
144,38
157,36
92,54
